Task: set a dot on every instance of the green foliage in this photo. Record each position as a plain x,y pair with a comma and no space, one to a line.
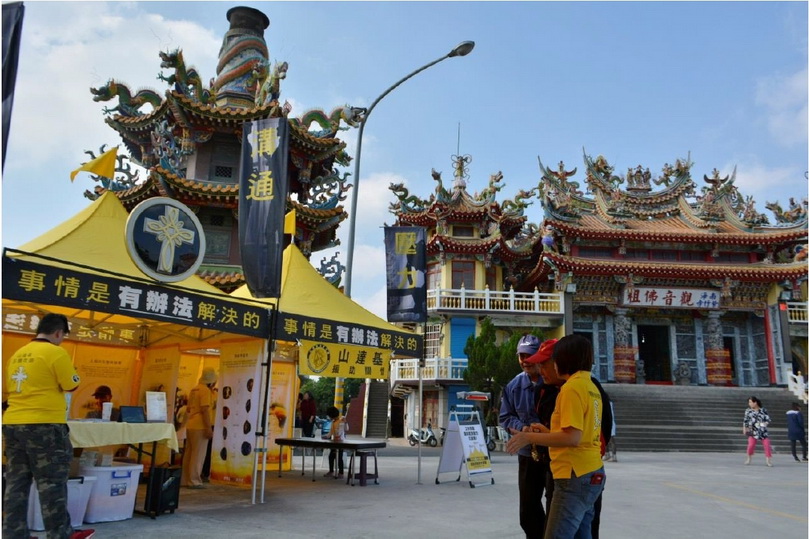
491,366
322,389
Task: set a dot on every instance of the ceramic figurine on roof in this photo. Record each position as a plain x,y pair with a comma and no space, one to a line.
473,228
645,252
189,142
795,214
128,105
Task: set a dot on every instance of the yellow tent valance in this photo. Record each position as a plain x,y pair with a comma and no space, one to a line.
311,308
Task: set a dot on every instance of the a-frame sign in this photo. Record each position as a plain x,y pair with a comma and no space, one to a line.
464,444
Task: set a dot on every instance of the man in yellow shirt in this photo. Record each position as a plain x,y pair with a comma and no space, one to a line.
35,433
573,441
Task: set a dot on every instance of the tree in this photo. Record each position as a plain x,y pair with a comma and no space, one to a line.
491,366
322,389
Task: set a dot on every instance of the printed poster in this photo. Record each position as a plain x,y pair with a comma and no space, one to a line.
262,203
237,411
405,262
160,369
98,365
334,360
281,419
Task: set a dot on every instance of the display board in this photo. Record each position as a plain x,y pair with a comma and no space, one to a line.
464,444
237,411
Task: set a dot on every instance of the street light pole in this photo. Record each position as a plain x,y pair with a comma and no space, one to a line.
462,49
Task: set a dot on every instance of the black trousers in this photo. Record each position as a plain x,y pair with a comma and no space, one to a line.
794,447
534,479
336,454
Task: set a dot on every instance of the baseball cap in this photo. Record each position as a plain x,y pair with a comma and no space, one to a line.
103,391
529,344
544,353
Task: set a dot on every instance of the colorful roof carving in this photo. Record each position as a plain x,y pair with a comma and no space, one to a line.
167,135
502,236
614,215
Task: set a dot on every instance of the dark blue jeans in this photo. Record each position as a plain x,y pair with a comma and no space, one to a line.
572,507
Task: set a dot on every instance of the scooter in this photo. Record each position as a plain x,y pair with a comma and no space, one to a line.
427,436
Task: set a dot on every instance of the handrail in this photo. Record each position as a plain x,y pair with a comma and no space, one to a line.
797,312
797,385
461,299
434,369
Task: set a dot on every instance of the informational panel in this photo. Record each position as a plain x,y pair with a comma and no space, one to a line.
281,417
237,411
464,444
160,369
109,366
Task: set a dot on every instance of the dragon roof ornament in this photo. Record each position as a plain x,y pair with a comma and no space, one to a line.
326,192
617,200
129,105
797,212
638,198
352,116
186,81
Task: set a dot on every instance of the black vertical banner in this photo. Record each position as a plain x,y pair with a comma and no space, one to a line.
262,204
405,261
12,32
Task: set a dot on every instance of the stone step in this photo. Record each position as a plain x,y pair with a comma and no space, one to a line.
693,418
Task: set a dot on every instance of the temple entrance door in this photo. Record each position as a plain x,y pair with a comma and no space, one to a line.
655,351
729,344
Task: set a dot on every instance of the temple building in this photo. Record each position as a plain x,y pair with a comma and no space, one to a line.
189,142
674,283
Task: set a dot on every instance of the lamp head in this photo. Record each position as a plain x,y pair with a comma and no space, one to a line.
462,49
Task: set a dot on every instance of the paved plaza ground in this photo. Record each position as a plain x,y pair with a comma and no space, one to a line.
647,496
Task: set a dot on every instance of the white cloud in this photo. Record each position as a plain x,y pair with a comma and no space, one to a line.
766,184
58,67
785,101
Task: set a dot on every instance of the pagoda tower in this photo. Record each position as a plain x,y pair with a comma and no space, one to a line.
189,142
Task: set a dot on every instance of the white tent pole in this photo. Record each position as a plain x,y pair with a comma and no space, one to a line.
262,435
420,415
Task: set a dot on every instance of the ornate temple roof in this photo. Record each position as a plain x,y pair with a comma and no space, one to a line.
165,133
501,227
626,207
761,271
622,213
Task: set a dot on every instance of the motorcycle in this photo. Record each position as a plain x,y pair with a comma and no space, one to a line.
426,436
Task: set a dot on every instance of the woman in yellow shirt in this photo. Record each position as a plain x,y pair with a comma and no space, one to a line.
574,442
199,429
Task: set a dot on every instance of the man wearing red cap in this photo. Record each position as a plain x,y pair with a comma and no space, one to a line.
545,401
517,412
546,395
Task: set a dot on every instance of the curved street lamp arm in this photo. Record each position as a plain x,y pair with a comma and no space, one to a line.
461,50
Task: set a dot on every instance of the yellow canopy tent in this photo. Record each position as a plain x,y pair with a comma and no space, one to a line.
82,269
130,332
310,308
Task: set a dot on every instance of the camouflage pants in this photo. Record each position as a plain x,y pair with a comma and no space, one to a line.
41,452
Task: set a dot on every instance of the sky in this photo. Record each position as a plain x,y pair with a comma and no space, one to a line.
641,83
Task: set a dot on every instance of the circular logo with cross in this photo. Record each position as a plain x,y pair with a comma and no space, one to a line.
165,239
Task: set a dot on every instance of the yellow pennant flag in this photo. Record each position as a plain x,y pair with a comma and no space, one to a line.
103,165
289,223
